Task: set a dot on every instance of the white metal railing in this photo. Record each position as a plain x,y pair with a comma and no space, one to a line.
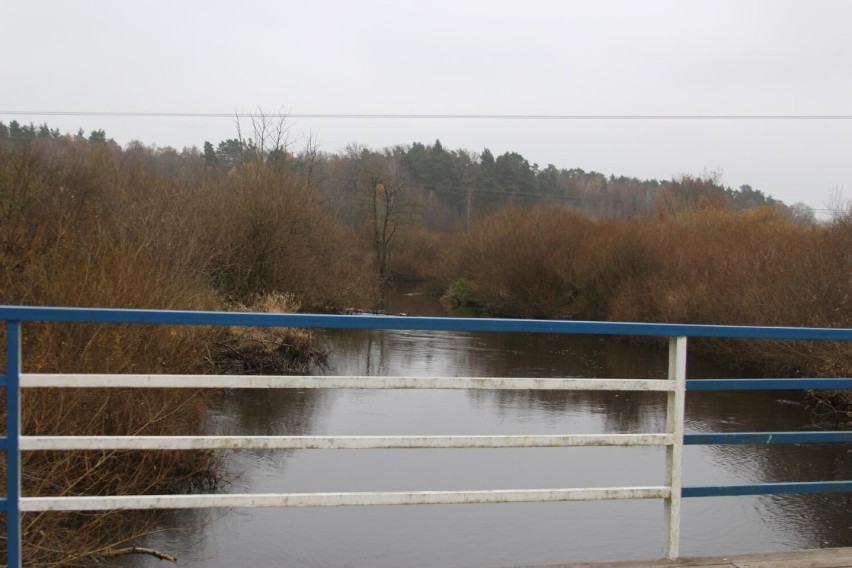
672,439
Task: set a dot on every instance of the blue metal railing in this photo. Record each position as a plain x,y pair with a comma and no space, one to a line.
11,381
730,438
14,316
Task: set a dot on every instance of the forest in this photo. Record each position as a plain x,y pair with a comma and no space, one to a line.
266,221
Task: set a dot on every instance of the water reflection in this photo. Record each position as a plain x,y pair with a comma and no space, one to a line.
506,534
272,412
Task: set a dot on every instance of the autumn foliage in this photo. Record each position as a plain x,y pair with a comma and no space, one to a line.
91,224
707,265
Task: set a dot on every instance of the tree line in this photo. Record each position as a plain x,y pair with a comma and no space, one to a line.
456,186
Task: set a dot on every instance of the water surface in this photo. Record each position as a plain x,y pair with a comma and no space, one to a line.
504,534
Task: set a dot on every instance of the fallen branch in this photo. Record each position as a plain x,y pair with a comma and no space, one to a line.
139,550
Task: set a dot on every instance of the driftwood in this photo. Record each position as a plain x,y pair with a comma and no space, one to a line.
139,550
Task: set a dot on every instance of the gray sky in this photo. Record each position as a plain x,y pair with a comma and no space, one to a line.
463,57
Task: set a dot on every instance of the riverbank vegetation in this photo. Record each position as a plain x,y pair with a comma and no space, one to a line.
264,223
708,265
87,223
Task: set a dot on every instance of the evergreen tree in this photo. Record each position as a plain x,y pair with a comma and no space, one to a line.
15,132
210,157
97,136
513,173
230,152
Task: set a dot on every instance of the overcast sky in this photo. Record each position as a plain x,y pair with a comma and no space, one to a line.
564,57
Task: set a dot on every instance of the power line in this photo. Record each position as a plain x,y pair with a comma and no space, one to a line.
403,116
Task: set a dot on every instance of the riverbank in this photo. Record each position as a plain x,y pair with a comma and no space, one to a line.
89,223
704,266
81,538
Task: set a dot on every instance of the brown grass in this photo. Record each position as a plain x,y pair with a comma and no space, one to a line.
266,351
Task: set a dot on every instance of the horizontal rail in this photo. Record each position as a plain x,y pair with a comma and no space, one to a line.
672,439
176,317
725,438
791,488
35,443
78,380
337,382
32,443
39,504
767,384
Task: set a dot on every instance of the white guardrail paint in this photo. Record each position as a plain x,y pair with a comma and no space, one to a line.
672,439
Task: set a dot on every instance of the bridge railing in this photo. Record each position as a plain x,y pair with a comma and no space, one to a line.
673,439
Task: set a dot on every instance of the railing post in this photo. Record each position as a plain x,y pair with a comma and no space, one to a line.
13,453
674,452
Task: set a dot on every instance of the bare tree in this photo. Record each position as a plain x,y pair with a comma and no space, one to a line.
309,155
391,208
686,192
802,213
268,138
839,208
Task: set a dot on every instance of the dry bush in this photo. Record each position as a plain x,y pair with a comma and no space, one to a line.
758,268
521,261
73,237
92,225
705,265
616,266
266,350
417,255
264,230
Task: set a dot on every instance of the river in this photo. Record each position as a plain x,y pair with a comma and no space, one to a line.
503,534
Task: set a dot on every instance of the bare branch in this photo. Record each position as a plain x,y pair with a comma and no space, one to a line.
138,550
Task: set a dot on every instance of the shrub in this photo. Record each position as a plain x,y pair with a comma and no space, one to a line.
92,225
266,350
707,265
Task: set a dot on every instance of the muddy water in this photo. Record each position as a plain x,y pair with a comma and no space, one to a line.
500,535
